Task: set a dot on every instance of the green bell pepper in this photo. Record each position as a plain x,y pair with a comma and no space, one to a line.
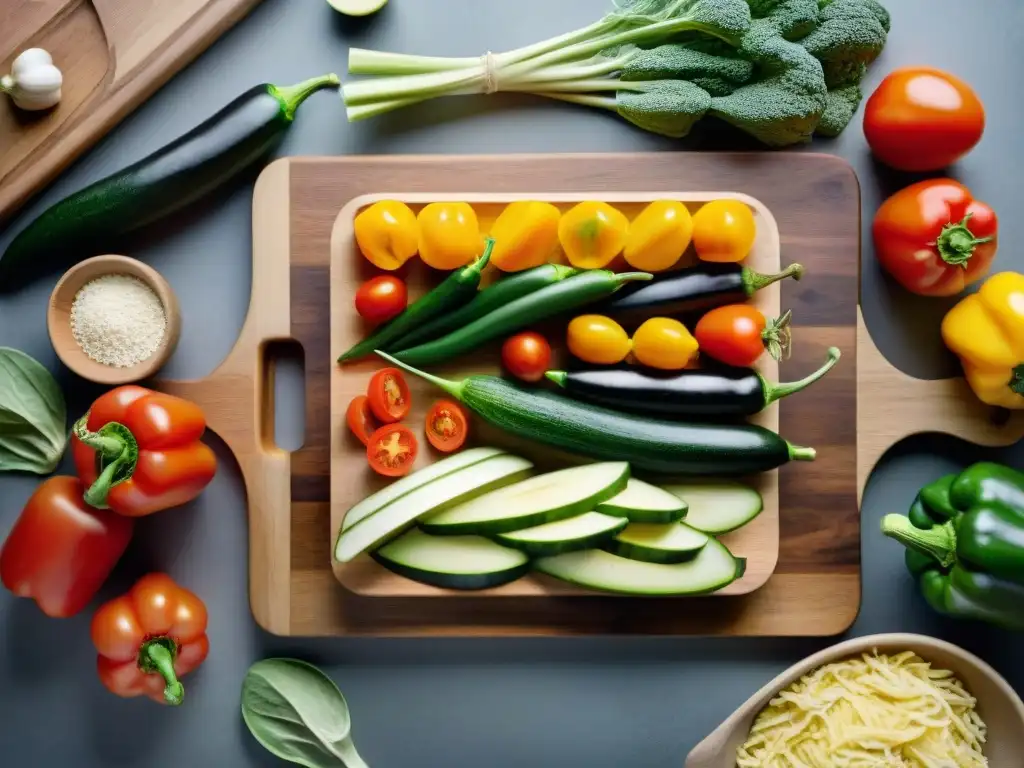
964,536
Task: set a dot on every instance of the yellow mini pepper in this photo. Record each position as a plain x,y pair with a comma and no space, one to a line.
986,331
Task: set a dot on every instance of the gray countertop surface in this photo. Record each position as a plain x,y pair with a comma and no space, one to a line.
499,703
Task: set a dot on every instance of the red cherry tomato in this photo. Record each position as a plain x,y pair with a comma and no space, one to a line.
380,299
447,426
389,395
922,119
738,334
360,418
392,450
526,356
935,238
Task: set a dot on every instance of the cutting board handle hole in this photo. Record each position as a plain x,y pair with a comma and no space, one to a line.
284,395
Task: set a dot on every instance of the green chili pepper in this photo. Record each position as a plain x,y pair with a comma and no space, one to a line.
965,544
456,290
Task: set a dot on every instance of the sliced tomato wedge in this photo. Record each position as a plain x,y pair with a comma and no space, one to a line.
392,450
360,418
447,426
389,395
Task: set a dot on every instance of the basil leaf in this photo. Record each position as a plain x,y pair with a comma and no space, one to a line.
298,714
33,415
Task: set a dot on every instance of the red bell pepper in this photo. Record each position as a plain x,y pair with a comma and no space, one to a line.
935,238
138,451
149,638
60,550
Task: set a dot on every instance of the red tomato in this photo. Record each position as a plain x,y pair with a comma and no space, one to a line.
381,298
935,238
389,396
360,418
738,334
392,450
922,119
526,356
447,426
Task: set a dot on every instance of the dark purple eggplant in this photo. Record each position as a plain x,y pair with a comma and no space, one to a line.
691,290
715,392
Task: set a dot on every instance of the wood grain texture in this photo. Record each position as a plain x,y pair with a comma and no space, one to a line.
114,54
816,586
894,406
757,542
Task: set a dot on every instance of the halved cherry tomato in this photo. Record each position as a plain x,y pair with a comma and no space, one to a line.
922,119
389,395
392,450
738,335
360,418
447,426
526,356
724,231
380,299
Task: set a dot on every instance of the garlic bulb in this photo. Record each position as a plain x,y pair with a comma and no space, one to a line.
34,82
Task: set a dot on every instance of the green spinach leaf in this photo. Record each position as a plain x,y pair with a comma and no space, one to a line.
33,415
297,713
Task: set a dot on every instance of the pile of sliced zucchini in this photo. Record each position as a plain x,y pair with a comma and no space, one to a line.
481,518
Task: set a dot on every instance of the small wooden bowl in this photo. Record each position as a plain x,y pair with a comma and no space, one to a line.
999,706
58,320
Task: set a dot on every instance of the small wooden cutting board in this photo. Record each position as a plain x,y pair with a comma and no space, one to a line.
113,54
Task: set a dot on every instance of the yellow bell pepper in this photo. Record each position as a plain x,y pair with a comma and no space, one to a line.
986,331
525,235
387,234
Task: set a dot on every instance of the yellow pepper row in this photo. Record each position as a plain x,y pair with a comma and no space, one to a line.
529,233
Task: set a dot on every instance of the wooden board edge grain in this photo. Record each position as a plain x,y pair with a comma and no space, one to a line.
68,143
757,542
893,406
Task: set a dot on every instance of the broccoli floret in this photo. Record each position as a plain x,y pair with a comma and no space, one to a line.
850,35
729,19
792,18
677,62
668,107
840,106
785,102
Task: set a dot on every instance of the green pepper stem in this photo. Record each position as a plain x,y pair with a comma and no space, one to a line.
292,96
755,281
161,660
453,388
956,243
559,377
117,454
939,542
773,392
477,267
798,453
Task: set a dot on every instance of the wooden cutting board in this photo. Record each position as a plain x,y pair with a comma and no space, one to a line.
352,480
815,589
113,54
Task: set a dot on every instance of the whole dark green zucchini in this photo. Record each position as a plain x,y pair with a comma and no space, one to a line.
651,445
499,294
568,294
453,292
92,220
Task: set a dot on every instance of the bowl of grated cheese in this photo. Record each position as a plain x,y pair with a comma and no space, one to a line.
881,701
113,320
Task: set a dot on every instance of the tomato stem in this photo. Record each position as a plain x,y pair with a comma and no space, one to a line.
778,337
956,243
773,392
1017,380
157,657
